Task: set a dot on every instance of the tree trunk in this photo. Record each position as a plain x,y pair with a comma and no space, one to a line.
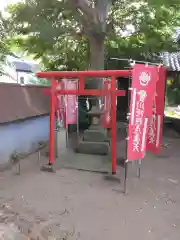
96,48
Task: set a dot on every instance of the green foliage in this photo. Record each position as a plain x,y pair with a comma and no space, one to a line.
59,32
4,47
167,3
173,91
173,96
33,79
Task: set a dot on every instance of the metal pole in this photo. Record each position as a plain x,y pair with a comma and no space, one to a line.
134,61
162,70
139,168
67,137
56,139
66,128
113,123
17,76
77,109
125,176
39,156
56,123
63,102
66,120
126,160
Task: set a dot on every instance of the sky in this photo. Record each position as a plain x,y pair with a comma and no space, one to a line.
4,3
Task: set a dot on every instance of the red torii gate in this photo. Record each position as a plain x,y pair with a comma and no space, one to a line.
54,76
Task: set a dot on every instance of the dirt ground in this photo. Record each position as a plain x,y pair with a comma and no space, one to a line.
78,205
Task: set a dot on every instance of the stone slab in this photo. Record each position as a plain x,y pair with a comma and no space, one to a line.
99,135
99,148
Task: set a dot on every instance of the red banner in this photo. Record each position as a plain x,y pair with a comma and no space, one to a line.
106,121
144,80
71,103
61,115
155,126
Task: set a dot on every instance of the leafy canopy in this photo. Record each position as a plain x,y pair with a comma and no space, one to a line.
59,31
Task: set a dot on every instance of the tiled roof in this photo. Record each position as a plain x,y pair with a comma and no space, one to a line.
177,35
21,65
22,102
171,60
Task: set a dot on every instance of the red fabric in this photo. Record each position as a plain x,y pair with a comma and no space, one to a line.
106,120
71,103
155,126
144,80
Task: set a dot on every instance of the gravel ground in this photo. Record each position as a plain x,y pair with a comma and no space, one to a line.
77,205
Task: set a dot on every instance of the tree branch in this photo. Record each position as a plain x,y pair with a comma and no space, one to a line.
84,9
102,9
92,17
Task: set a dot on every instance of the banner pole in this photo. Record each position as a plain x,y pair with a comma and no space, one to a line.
66,115
113,117
77,110
139,168
128,117
67,137
165,90
125,176
56,138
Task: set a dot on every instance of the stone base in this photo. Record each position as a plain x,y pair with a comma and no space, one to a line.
48,168
99,148
99,135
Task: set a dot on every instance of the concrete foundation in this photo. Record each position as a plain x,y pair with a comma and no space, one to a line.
99,148
98,135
